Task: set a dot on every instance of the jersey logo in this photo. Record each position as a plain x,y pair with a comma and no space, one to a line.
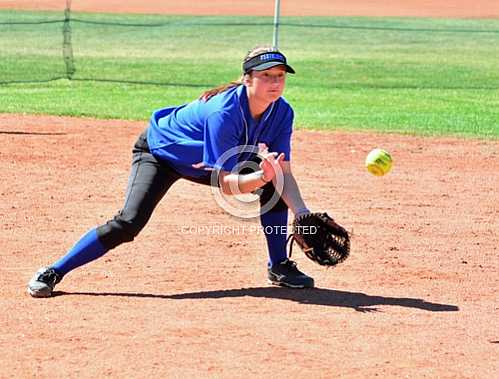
263,148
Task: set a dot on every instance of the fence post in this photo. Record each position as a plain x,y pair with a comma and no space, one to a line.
277,14
67,47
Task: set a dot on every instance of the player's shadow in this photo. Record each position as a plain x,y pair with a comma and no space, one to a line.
315,296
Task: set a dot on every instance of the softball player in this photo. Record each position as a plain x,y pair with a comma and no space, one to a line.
184,142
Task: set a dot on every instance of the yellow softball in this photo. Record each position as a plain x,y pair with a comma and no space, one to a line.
379,162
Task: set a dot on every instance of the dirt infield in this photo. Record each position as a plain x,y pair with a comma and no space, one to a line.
417,8
188,298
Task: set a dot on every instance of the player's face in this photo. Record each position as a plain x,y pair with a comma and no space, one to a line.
267,85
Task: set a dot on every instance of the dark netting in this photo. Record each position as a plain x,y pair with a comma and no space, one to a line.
30,47
155,49
143,49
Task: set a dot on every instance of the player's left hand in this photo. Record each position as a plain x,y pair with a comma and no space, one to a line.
321,239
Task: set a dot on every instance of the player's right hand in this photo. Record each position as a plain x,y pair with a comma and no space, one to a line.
271,165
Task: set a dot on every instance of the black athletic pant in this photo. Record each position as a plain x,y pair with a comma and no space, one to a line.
149,181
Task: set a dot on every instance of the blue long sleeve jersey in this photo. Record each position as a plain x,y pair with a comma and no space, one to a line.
208,133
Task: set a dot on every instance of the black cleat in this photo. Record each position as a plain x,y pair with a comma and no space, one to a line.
286,274
43,282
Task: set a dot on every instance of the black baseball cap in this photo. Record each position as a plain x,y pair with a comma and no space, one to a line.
265,61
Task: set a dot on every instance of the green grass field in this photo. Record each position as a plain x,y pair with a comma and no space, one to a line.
415,76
